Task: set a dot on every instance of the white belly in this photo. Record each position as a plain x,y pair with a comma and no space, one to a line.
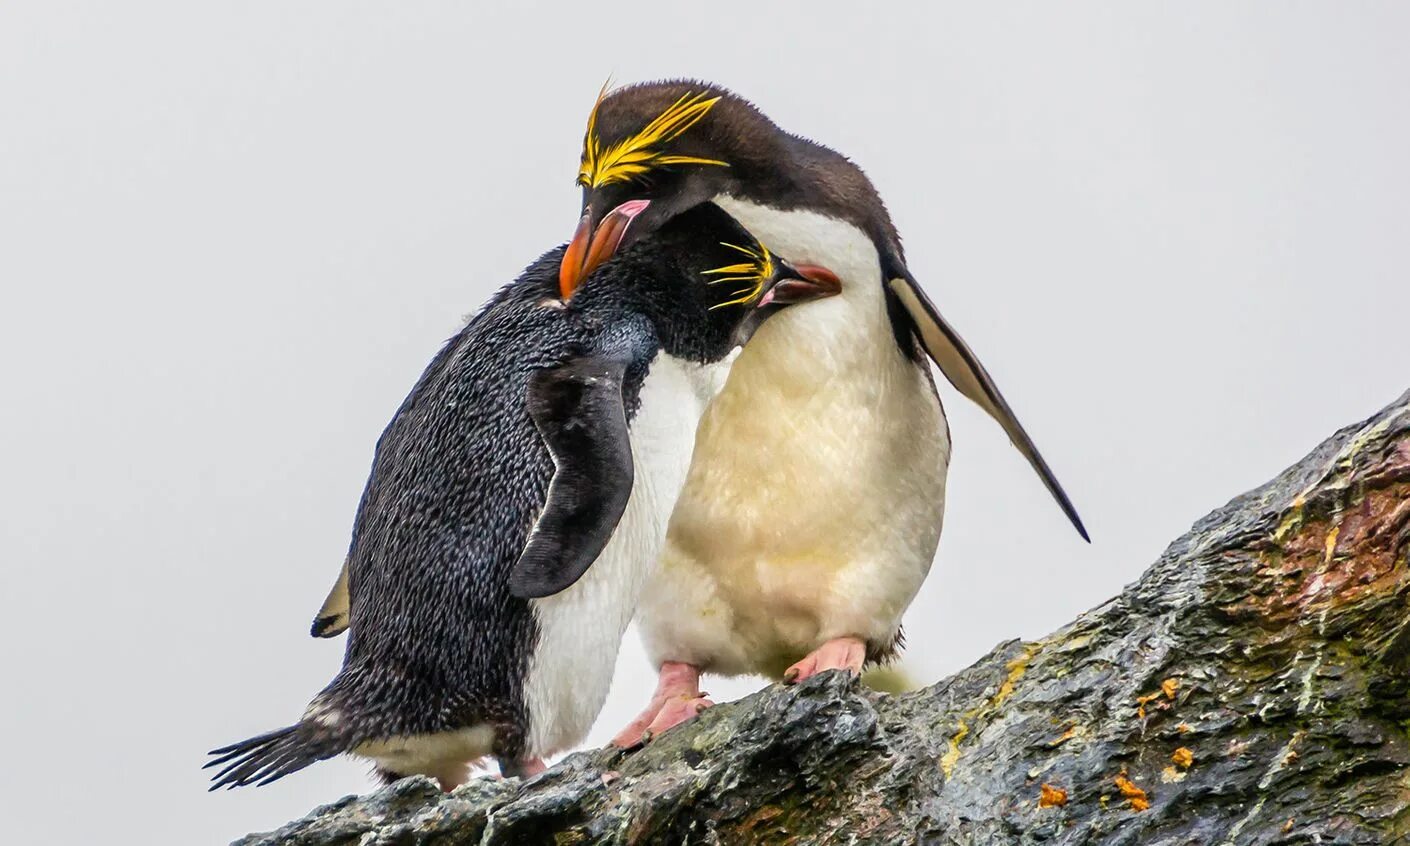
581,628
813,504
446,755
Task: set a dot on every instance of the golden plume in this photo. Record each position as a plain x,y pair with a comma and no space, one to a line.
636,154
755,274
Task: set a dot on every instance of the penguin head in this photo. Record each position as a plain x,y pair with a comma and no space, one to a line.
656,150
704,282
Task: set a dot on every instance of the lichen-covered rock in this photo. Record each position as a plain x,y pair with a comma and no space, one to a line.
1251,688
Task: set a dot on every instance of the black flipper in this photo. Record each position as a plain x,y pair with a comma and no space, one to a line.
959,364
579,411
333,617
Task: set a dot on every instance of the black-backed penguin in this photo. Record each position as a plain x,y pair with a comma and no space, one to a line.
812,509
541,439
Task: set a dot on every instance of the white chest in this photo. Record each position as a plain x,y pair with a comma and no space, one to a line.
814,499
581,628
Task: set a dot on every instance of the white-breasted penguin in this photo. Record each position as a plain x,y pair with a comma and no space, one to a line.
517,501
813,505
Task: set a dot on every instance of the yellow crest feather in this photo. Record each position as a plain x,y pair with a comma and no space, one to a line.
636,154
754,274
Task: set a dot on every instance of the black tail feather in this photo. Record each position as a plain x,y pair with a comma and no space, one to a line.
268,757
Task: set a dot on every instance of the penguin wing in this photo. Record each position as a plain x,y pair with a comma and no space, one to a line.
332,619
579,411
960,365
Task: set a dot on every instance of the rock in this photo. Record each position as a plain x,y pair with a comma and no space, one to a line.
1250,688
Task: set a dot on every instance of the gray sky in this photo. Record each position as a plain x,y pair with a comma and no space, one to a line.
232,234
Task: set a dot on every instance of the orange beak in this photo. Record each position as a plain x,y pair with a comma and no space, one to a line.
812,282
590,248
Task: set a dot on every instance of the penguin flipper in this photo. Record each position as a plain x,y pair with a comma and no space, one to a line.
579,411
962,368
332,619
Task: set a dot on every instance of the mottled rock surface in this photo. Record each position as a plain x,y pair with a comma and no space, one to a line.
1251,688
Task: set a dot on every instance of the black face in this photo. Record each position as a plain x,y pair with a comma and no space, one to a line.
704,282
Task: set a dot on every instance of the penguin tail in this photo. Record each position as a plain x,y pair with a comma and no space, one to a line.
270,756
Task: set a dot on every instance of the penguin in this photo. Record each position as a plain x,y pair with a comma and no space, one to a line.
813,504
517,501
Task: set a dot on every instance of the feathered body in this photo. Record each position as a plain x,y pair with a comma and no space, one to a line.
805,546
826,524
444,663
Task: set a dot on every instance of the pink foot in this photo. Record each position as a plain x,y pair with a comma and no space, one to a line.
675,712
451,776
840,653
677,699
523,768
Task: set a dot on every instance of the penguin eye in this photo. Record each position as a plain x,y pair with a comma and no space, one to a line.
751,275
631,158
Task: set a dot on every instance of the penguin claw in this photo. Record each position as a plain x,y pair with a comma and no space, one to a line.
677,699
840,653
676,712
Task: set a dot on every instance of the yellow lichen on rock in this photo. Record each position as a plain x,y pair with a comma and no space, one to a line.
1017,667
1329,545
952,755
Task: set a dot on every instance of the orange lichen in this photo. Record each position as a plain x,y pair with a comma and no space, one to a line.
1184,728
1134,795
1183,758
1168,689
1051,797
1063,738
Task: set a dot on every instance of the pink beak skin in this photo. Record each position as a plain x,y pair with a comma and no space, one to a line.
588,249
813,283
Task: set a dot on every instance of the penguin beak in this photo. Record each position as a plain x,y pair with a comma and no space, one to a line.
591,246
805,282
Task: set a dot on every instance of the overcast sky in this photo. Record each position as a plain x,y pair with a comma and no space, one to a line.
232,234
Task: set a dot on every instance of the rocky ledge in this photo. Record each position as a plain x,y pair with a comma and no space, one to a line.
1251,688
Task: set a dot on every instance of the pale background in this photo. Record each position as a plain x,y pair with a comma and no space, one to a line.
232,234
